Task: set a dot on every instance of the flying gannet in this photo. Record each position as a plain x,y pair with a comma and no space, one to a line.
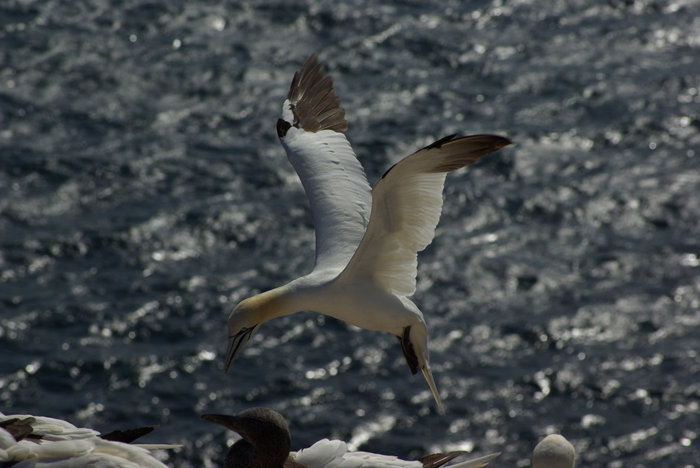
266,443
366,239
28,441
554,451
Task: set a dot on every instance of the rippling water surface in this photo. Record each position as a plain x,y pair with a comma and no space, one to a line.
143,192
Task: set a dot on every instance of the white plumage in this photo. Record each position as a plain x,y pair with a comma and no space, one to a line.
331,183
28,441
336,454
366,240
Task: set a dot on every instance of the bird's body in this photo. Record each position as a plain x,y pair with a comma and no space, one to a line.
366,239
28,441
266,441
353,302
336,454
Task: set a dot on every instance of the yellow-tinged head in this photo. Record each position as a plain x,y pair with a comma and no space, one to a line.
247,316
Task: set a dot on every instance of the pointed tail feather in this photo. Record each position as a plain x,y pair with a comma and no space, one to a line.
476,462
431,383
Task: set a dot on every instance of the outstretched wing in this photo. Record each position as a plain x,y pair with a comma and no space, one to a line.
406,206
340,197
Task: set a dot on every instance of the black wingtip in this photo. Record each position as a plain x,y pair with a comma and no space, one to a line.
129,435
441,141
500,141
436,460
495,142
313,101
20,428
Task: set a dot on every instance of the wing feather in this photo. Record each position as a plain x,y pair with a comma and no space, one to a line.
406,208
334,181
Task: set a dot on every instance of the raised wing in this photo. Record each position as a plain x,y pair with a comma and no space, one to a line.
406,207
311,132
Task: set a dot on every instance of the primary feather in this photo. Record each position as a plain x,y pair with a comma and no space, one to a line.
333,178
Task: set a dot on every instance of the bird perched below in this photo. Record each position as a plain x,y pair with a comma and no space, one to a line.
366,239
554,451
266,442
28,441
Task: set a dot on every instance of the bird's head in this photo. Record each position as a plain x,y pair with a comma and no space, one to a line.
263,429
242,323
247,316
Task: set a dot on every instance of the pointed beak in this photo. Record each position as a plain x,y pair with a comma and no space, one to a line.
227,421
431,383
235,344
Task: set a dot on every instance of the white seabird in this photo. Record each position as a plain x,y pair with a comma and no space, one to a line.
366,240
554,451
28,441
266,443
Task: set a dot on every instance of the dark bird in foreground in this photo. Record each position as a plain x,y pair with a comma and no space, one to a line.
266,443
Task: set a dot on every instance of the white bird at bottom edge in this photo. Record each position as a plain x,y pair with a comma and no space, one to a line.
266,443
366,239
28,441
554,451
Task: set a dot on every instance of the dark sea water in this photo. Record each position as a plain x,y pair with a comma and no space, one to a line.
143,193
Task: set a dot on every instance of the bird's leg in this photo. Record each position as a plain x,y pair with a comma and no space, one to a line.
408,350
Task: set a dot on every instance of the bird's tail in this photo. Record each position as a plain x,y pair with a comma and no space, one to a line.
476,462
431,383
